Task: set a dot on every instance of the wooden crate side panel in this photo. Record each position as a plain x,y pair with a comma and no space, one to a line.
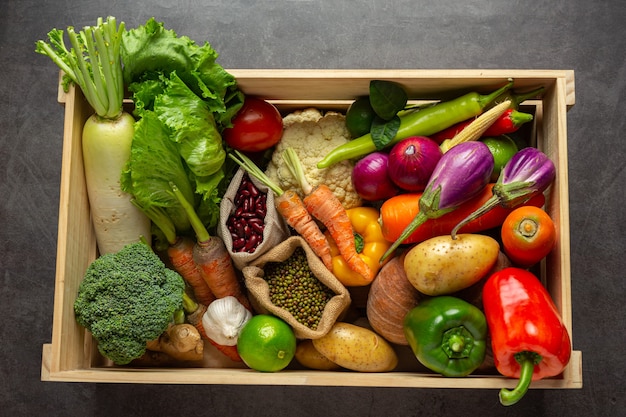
298,84
305,378
556,268
76,246
554,144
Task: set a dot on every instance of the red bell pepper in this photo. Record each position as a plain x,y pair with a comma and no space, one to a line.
528,337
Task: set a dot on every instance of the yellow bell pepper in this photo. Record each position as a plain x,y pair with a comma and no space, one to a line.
370,244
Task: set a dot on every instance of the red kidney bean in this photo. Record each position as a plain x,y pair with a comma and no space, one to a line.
256,220
247,223
252,243
240,229
254,192
257,227
239,244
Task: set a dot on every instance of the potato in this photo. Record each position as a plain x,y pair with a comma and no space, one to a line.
311,358
442,265
357,348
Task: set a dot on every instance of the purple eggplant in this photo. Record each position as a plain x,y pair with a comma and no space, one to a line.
461,174
528,173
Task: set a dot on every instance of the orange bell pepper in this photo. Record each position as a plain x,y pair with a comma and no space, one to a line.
370,244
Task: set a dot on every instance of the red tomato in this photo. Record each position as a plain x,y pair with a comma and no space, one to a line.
256,127
528,235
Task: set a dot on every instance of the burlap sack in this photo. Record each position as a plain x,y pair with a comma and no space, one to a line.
258,289
275,230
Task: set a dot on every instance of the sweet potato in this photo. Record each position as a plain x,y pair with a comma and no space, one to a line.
391,296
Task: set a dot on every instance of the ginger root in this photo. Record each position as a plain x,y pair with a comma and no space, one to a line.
181,342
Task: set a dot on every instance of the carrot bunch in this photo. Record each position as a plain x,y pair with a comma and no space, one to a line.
212,258
324,205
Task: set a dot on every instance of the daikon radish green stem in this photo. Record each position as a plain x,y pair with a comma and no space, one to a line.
93,63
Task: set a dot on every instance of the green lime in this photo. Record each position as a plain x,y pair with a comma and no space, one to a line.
266,343
502,148
359,117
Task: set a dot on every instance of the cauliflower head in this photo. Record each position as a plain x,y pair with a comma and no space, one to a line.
312,135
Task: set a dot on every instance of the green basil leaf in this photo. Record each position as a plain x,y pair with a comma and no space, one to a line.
387,98
383,131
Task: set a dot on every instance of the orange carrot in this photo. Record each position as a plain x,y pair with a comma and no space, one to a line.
218,271
180,254
195,311
212,258
291,207
324,205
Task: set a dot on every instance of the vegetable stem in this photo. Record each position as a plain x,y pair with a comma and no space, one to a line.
527,362
408,230
108,70
189,304
84,74
487,206
297,170
96,60
201,232
251,168
160,220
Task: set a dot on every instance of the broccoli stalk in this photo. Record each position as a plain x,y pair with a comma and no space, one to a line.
126,299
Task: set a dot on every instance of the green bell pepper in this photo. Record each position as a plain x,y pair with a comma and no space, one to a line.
447,335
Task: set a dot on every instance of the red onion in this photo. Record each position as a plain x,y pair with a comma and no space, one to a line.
412,161
370,178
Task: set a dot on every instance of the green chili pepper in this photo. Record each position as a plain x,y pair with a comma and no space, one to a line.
447,335
424,122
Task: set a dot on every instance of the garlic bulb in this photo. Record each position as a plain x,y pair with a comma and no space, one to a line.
223,320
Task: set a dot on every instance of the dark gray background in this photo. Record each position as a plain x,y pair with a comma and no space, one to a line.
586,36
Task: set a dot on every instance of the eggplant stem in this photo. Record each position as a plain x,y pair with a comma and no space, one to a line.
417,221
493,201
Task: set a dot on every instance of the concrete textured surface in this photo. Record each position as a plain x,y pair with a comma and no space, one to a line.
585,36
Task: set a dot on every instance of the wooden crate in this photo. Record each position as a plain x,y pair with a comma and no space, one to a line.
72,355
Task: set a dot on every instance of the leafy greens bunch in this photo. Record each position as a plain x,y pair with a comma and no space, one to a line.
183,100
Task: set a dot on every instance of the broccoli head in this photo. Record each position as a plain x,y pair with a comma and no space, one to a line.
126,299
